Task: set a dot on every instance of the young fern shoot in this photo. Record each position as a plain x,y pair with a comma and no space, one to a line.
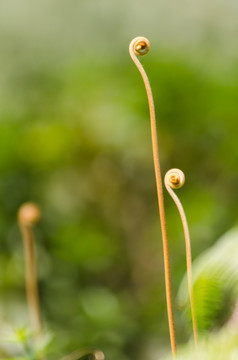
28,215
174,179
141,46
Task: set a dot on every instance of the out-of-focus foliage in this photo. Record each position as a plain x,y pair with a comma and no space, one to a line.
215,283
19,344
217,346
75,138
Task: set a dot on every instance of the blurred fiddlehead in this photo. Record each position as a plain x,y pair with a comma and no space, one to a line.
174,179
141,46
28,215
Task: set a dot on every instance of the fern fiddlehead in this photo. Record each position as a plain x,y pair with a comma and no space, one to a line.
28,215
174,179
140,46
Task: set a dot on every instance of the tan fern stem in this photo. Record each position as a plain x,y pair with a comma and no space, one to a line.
28,215
140,46
174,179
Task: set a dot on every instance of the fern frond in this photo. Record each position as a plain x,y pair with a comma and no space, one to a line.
222,345
215,283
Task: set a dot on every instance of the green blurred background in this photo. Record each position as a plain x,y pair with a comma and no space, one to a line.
75,138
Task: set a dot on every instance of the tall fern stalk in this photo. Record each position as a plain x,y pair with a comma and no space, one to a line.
141,46
174,179
28,215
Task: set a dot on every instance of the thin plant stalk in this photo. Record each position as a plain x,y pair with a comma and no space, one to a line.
28,215
174,179
140,46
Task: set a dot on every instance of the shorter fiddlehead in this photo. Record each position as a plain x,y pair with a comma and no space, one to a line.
28,215
174,179
87,353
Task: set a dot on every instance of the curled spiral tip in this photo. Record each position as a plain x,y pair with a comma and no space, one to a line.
140,45
97,355
29,213
174,178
